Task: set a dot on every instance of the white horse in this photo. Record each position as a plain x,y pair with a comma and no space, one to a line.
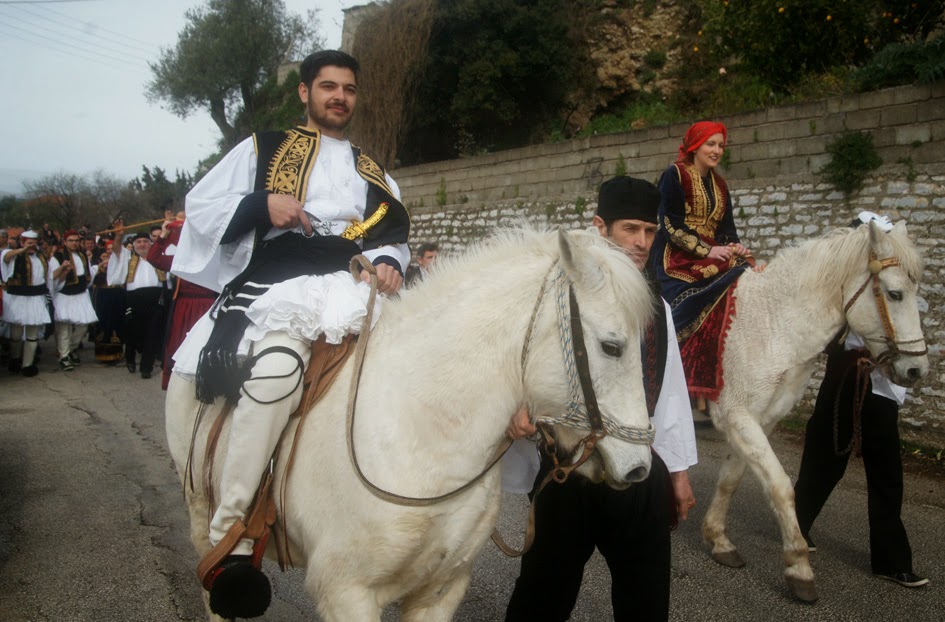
786,316
442,377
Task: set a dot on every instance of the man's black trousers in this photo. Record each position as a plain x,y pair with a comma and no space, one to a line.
631,529
821,467
144,326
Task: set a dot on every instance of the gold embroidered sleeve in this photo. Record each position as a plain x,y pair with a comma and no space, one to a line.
686,240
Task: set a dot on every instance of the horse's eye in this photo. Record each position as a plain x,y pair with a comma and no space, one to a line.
611,349
895,295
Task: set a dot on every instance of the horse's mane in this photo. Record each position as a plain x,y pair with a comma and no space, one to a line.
525,243
842,253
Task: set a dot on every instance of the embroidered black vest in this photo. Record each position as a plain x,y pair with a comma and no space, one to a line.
74,284
20,282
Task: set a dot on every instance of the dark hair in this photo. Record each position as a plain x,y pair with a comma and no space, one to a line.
155,227
426,247
313,63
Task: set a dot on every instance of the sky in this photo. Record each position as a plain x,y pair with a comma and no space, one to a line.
72,82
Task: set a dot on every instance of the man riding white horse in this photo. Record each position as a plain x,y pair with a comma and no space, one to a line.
630,527
268,226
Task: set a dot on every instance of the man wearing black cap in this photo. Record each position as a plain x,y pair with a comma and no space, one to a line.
630,527
145,286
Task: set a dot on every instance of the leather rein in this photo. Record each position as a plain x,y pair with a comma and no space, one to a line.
560,473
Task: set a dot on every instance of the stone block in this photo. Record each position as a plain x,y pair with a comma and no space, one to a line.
752,152
748,200
846,103
833,123
774,131
781,113
775,197
937,89
878,99
794,166
748,119
930,110
907,135
810,145
911,93
898,115
863,119
815,109
781,149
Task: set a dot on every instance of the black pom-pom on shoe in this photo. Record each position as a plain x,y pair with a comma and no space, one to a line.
239,590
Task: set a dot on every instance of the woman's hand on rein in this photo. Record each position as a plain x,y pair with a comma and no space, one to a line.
721,253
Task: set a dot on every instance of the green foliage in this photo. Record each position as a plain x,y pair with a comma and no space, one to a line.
852,157
903,63
621,167
226,52
655,59
496,74
737,91
275,106
649,110
580,204
157,193
911,173
441,192
786,39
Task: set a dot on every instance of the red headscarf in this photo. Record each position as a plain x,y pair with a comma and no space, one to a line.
698,134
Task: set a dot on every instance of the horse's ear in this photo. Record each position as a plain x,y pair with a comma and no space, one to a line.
900,228
878,241
576,263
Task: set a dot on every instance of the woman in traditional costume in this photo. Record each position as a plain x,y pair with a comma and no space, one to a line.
698,257
110,309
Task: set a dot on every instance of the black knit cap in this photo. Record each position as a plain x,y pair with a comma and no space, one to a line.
141,236
628,198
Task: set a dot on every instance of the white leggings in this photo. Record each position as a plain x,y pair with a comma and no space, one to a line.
256,427
19,349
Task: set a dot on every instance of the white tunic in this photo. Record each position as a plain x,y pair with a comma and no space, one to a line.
145,274
304,307
74,308
24,310
675,439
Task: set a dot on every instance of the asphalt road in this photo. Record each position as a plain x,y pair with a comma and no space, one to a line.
93,526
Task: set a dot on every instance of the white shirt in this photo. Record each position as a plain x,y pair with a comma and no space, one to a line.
38,277
145,275
336,196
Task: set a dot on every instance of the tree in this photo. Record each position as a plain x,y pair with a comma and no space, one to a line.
497,74
224,55
157,194
59,199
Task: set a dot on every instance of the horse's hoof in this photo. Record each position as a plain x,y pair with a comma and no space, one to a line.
805,590
729,558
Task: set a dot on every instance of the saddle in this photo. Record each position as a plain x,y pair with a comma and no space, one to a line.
325,364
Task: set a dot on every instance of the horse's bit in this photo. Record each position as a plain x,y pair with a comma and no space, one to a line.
893,351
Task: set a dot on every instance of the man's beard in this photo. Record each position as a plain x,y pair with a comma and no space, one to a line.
322,119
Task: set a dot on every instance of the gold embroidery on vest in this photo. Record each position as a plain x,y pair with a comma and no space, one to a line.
133,269
373,173
700,216
359,230
290,168
28,269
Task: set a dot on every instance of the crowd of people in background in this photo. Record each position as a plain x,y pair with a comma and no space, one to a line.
76,286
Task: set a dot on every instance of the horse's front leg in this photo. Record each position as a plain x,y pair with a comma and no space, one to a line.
713,526
748,438
436,602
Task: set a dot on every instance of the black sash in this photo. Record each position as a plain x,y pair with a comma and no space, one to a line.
282,258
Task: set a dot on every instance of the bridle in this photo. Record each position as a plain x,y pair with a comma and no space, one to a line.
583,411
893,350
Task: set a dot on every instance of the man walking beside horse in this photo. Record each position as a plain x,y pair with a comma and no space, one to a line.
273,227
631,527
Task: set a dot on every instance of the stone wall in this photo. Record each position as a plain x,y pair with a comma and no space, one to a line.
773,157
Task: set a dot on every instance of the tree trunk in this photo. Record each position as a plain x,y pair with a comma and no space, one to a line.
218,114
